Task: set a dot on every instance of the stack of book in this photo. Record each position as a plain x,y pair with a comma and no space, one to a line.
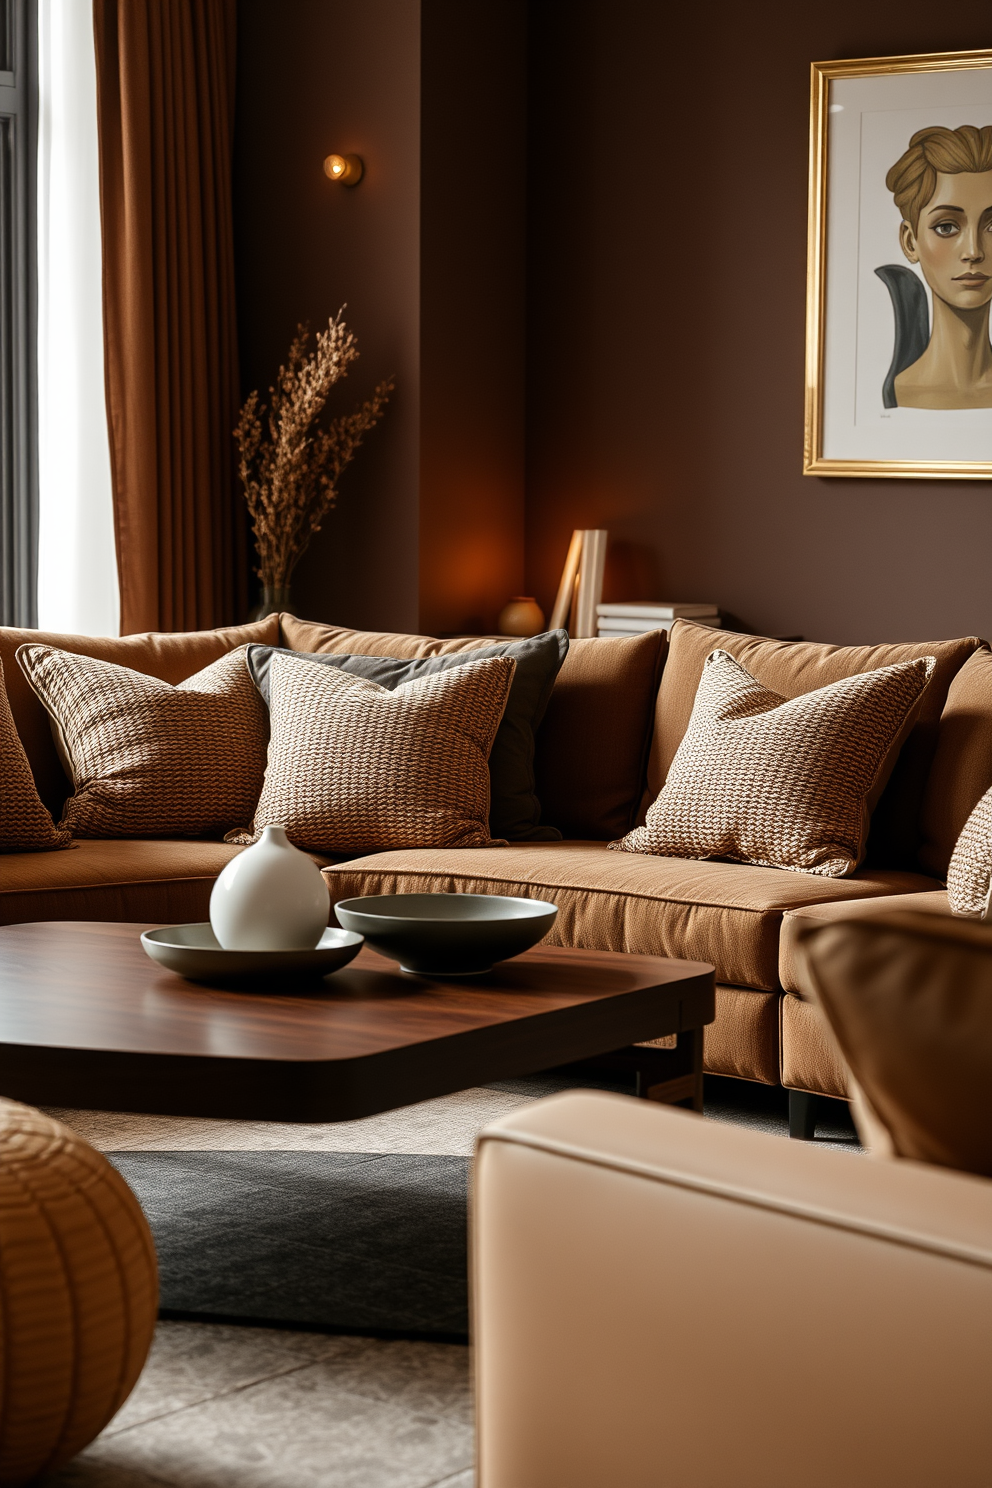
635,619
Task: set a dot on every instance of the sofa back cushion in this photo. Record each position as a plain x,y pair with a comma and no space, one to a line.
170,657
591,750
962,764
791,668
592,747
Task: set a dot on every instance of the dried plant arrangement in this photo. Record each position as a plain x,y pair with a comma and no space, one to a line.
289,461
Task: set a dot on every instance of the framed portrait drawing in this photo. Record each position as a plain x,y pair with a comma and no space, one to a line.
899,279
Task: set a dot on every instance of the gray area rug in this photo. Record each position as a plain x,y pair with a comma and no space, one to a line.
354,1227
370,1242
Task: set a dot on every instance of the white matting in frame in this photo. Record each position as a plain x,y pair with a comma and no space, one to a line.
862,125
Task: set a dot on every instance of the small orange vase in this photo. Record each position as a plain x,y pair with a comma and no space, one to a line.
521,617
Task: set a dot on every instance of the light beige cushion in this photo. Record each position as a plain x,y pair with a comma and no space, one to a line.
148,759
781,783
25,825
969,876
909,999
356,767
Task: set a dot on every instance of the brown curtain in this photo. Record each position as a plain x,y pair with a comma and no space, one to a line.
165,92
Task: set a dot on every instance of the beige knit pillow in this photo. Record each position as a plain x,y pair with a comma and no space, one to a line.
25,825
782,783
354,767
969,876
147,759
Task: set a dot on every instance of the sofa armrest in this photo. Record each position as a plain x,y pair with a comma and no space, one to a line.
660,1299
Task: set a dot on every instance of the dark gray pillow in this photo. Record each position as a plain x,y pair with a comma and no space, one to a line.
514,810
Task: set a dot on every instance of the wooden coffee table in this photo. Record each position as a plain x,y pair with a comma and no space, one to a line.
87,1020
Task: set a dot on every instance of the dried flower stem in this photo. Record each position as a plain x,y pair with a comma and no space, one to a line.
289,465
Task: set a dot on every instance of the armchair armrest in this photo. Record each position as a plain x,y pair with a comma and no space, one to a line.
660,1299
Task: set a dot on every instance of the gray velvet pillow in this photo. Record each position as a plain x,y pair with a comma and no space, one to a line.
514,810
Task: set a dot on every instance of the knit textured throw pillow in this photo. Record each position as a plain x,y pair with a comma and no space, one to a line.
355,767
147,759
25,825
782,783
969,876
514,810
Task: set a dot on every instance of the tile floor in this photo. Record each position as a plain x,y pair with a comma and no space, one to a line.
231,1407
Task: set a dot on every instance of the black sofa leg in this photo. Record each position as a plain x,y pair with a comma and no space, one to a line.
802,1115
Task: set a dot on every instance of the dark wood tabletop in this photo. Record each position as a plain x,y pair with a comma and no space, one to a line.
87,1020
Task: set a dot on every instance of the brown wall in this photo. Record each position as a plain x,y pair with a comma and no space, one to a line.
473,247
666,306
428,252
316,77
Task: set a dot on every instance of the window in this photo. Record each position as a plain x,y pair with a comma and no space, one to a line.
18,464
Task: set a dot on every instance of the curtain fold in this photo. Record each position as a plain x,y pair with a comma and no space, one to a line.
165,92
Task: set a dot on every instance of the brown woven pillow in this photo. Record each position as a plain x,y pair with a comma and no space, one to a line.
781,783
969,876
25,825
148,759
355,767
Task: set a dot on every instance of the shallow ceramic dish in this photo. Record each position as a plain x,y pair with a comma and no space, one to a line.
194,952
448,934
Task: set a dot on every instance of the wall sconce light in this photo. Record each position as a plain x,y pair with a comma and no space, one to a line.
346,168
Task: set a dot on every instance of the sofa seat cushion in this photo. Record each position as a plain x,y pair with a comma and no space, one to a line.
166,881
725,913
791,961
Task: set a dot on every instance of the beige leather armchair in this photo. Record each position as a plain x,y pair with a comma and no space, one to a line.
664,1300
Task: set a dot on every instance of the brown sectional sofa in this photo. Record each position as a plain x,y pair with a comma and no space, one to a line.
617,713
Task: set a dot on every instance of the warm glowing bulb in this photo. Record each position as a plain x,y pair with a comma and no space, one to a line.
346,168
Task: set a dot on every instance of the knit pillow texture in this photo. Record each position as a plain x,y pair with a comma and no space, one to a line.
514,810
355,767
782,782
25,825
147,759
969,876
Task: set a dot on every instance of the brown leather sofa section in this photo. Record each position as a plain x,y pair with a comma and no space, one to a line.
794,667
172,658
962,765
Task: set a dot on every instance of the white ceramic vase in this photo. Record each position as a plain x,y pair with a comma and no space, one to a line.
271,897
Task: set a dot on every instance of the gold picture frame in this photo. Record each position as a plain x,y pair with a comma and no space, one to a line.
839,439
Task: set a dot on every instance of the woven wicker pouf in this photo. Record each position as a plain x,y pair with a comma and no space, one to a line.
78,1292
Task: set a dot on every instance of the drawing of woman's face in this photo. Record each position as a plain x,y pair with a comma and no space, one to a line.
953,242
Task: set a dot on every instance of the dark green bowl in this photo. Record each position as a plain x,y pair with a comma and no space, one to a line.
447,934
